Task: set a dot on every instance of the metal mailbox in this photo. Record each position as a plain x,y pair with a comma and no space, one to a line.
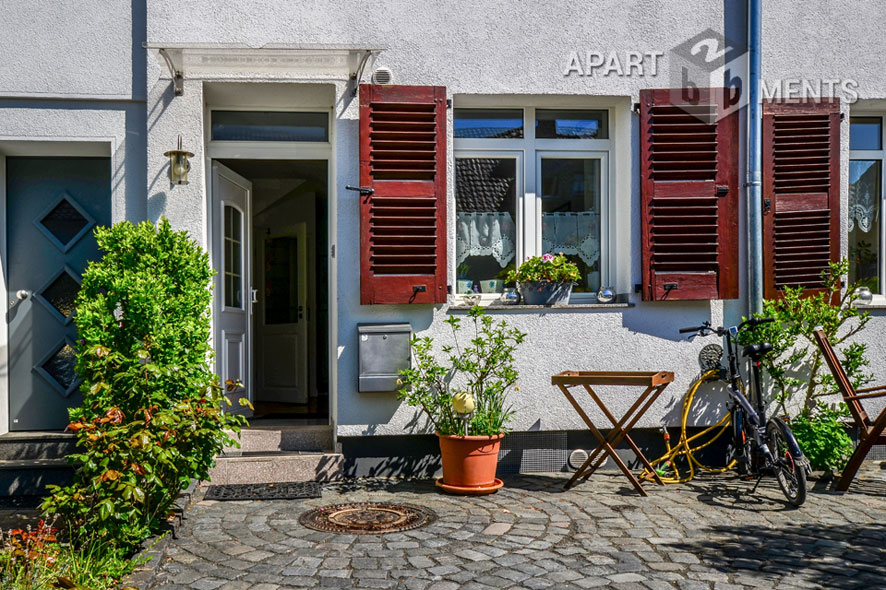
384,350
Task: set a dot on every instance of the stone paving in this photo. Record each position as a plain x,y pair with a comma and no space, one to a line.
709,534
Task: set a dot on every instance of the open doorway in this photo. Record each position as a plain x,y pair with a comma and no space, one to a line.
285,280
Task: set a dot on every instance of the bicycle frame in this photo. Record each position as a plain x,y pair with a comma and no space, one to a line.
756,416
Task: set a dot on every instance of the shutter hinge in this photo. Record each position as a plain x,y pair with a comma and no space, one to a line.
363,190
332,251
722,191
636,108
448,103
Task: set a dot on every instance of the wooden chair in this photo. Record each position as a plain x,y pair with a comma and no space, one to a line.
869,433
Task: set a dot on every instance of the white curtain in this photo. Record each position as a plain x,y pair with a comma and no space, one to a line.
486,234
863,208
574,233
492,234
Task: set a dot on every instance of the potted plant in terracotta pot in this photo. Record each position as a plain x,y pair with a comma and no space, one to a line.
464,397
545,280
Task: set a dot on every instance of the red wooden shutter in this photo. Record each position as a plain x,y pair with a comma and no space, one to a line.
403,220
801,193
689,195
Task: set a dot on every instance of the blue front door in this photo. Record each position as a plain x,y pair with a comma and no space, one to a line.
52,208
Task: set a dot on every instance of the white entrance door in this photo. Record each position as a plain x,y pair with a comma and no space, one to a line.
232,221
283,317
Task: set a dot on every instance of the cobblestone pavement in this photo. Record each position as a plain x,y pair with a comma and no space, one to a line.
709,534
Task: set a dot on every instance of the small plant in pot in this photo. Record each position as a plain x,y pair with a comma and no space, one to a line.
546,279
464,397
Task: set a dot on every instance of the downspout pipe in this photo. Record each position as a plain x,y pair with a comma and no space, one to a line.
754,182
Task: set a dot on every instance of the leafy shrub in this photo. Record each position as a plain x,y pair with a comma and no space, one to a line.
28,557
483,369
823,437
801,380
153,413
548,267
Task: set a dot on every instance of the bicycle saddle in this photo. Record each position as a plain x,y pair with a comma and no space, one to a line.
756,351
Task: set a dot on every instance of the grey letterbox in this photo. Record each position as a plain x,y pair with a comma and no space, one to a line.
384,350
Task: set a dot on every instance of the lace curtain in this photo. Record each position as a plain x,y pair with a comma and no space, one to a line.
863,209
492,234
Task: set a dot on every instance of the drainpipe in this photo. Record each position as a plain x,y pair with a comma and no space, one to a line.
755,159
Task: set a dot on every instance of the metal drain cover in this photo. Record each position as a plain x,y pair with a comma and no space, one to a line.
367,518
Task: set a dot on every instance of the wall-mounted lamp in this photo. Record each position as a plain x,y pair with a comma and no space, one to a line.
179,166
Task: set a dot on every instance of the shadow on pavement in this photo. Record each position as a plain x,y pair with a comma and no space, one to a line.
830,556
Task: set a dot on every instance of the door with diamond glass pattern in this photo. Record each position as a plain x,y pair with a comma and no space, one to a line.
52,207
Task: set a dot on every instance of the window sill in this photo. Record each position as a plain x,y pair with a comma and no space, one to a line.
565,307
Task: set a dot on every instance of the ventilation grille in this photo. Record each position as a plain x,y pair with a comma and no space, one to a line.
802,153
403,235
684,234
802,247
383,76
683,141
402,141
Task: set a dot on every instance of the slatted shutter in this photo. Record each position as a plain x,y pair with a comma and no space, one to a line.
689,195
403,220
801,193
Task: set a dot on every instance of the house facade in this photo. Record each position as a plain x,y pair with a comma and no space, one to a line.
475,135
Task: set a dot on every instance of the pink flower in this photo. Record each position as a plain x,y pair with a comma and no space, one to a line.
547,257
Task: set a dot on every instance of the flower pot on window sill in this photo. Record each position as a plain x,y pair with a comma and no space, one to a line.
545,293
469,463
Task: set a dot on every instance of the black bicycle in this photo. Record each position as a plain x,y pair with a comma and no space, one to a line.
760,446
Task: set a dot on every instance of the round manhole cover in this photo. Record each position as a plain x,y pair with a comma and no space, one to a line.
367,518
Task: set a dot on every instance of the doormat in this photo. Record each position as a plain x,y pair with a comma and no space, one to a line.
264,491
367,518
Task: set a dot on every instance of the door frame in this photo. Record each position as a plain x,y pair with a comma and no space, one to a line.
227,150
14,146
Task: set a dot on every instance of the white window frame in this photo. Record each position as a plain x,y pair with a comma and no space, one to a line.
531,150
879,298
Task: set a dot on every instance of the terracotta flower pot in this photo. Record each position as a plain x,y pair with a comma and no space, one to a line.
469,461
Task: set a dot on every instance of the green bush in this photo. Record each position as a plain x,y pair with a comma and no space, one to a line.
153,414
800,380
823,437
483,370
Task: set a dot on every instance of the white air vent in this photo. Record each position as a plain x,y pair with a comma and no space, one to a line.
382,76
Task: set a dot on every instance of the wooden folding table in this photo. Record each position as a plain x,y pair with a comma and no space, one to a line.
654,382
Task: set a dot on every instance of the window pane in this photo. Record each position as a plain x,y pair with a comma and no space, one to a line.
488,123
233,263
570,204
571,124
865,133
269,126
281,280
865,195
486,241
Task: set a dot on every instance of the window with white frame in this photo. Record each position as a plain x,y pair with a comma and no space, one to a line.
530,181
867,159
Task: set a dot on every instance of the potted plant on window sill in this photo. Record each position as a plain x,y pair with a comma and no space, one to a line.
464,398
546,279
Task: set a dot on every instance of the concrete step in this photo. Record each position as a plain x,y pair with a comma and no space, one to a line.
26,477
282,438
276,467
36,445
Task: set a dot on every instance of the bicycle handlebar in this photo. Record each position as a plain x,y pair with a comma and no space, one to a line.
706,326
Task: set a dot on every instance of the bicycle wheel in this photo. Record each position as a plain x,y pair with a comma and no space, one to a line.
789,467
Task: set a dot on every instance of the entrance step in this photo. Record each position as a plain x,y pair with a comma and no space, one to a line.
276,467
281,438
36,445
29,461
29,477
